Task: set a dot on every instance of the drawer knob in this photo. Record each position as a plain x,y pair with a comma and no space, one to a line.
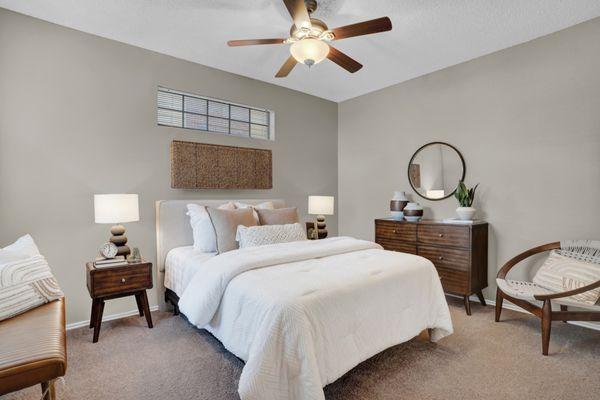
440,258
123,280
440,234
394,231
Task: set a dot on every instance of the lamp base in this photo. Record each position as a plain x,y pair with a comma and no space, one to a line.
119,239
320,229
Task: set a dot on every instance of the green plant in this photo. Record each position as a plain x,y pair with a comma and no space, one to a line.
465,196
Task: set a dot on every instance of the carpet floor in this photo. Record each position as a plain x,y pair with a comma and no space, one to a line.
481,360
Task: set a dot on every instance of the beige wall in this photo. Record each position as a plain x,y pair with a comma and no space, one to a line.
527,121
77,117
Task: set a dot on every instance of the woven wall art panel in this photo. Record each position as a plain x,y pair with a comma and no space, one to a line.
210,166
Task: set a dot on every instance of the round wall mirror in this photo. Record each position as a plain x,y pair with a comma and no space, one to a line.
435,170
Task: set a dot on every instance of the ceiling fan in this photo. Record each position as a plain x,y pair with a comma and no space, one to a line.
310,38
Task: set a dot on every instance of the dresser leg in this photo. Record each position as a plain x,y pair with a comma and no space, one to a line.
481,298
467,304
98,319
138,300
146,307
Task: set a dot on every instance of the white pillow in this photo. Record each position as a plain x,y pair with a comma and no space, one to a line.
203,231
267,205
560,274
25,278
269,234
23,248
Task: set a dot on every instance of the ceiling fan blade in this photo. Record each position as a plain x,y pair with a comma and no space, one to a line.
299,13
286,68
363,28
250,42
343,60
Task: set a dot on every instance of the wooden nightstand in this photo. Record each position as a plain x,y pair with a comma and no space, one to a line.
114,282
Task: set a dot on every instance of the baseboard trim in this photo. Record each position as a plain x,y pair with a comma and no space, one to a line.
505,304
111,317
510,306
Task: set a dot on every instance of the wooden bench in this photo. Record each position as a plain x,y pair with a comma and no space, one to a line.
33,349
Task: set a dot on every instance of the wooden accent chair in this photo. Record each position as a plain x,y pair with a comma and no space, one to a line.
527,294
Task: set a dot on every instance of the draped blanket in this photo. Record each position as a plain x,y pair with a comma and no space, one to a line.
302,314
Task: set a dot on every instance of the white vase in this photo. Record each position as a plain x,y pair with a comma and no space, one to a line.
413,212
399,196
397,204
465,213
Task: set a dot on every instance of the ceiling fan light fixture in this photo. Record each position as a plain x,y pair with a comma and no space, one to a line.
309,51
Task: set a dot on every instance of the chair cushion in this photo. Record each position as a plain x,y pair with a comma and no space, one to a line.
520,289
33,347
560,274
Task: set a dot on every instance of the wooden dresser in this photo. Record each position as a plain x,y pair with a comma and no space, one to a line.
459,252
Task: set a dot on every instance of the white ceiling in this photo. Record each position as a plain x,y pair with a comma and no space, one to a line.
427,35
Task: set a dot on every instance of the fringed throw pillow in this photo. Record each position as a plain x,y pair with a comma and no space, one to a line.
26,281
560,274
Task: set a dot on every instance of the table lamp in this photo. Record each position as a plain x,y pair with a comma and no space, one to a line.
117,209
320,206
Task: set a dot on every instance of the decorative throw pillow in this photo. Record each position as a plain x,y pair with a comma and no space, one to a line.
590,297
267,205
26,281
23,248
279,216
225,223
559,274
269,234
202,229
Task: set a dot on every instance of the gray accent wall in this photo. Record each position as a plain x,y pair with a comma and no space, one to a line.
78,117
527,121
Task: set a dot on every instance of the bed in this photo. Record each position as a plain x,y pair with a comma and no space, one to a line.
299,314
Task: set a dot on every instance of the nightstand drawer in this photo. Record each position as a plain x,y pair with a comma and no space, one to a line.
105,282
444,235
396,231
452,259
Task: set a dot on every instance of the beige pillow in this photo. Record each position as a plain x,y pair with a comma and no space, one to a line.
267,205
226,222
279,216
560,274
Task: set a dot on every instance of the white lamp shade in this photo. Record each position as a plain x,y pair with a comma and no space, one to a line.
116,208
320,205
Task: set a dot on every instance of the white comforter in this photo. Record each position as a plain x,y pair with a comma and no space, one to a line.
302,314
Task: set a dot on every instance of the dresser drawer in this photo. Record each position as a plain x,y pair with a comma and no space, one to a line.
444,235
452,259
395,245
121,279
454,281
396,231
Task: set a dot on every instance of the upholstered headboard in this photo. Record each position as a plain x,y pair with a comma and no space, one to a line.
173,226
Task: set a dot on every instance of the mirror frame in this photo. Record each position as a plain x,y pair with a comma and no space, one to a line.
462,161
